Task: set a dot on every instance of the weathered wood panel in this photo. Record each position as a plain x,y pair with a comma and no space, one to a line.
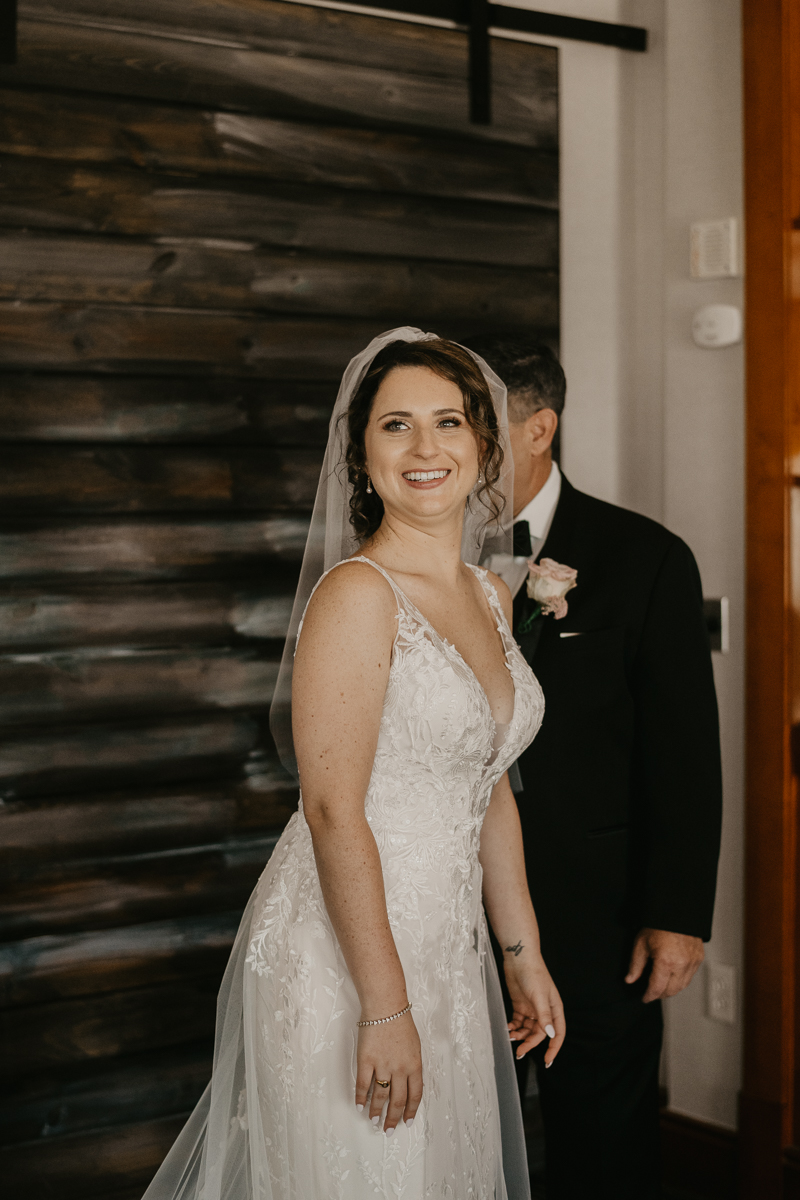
141,1087
138,822
127,890
68,1031
126,754
151,549
116,271
87,684
134,1193
129,338
67,408
77,1167
92,408
129,1193
136,58
47,478
142,134
294,31
142,616
42,194
185,268
43,969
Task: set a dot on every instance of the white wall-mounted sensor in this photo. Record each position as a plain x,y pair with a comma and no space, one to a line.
717,325
714,250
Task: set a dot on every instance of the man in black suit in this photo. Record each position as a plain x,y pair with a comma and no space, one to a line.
621,794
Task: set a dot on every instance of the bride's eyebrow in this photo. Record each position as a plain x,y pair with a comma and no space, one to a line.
439,412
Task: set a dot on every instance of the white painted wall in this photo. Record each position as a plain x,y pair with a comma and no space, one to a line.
592,275
649,143
704,477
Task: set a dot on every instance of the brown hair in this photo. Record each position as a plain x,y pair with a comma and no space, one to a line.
449,361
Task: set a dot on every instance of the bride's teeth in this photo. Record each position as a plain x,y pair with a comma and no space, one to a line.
424,476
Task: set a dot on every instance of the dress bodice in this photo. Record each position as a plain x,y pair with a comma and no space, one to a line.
435,710
440,752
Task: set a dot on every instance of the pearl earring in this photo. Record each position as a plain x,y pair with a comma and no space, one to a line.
369,486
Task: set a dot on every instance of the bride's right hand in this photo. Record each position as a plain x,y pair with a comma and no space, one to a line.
390,1052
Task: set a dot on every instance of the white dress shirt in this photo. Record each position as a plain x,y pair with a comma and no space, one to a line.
539,513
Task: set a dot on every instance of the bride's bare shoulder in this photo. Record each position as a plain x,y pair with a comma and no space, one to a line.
353,597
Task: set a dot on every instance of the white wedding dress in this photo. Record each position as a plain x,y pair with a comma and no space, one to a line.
283,1123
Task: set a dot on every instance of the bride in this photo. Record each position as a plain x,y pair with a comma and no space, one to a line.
362,1048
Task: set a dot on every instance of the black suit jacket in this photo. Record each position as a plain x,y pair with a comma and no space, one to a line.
622,799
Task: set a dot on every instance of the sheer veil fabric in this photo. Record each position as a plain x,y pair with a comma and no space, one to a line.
224,1151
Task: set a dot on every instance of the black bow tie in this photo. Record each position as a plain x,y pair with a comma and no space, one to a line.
522,540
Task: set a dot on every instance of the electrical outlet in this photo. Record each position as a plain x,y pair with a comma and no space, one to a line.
721,983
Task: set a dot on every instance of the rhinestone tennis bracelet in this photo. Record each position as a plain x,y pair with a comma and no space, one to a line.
383,1020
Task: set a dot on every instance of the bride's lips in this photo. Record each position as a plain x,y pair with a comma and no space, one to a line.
425,480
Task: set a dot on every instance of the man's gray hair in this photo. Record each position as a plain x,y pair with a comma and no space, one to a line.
530,370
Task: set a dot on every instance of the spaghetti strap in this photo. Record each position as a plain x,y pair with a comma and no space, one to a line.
398,594
493,600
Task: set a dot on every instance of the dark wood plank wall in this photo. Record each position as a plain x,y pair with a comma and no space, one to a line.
206,206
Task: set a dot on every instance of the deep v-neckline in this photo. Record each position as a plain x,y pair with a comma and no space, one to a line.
507,649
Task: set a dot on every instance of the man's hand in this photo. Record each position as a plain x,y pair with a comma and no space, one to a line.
676,957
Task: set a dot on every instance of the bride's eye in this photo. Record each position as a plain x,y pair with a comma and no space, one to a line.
393,426
450,422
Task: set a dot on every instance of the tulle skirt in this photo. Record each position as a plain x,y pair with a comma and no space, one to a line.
228,1149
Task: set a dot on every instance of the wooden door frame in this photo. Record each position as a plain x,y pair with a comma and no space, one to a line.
769,1104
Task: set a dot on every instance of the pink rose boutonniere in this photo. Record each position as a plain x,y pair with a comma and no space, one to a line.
548,584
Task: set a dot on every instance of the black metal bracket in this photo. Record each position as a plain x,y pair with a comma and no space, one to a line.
480,64
478,17
576,29
520,20
8,31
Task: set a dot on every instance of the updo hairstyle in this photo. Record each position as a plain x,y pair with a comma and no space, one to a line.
449,361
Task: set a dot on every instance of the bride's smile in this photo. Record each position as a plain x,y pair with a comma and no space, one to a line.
425,479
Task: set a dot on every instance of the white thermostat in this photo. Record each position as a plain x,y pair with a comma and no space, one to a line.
715,326
714,249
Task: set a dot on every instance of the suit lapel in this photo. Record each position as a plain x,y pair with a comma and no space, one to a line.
558,546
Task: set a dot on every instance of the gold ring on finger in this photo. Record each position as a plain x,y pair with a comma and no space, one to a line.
383,1082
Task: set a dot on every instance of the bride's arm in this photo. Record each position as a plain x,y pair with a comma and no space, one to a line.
340,675
537,1004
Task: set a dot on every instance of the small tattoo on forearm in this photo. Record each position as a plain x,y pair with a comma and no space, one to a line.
515,950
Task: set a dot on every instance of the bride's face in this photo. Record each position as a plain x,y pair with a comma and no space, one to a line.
422,456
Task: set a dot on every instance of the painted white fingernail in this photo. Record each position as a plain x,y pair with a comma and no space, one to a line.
389,1132
550,1031
375,1120
360,1107
409,1122
547,1065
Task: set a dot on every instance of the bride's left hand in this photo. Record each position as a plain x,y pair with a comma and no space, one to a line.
537,1009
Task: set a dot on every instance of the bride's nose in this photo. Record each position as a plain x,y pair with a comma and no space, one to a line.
424,445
